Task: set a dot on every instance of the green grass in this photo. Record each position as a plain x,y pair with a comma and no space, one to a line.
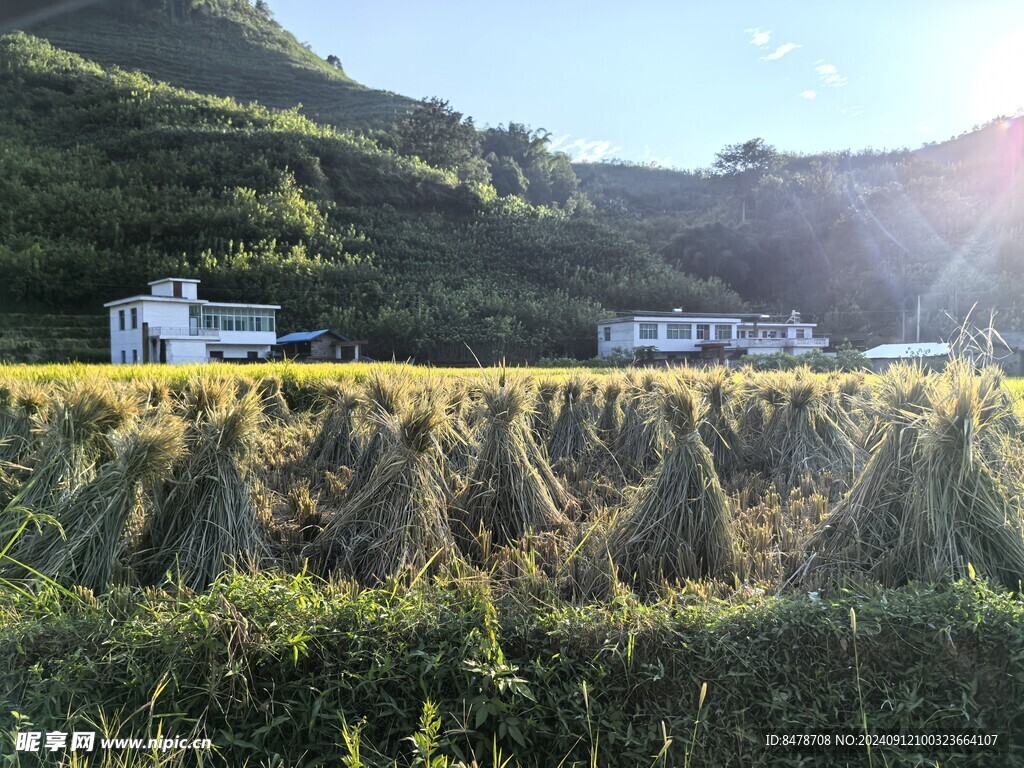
270,667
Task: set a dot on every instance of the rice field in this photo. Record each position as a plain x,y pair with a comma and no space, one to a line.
649,478
584,488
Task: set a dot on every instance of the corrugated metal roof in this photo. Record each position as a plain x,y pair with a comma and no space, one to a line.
302,336
908,350
308,336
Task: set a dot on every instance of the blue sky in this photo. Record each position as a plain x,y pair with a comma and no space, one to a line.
673,82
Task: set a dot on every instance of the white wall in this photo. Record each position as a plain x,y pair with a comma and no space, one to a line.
128,340
239,351
181,351
627,334
189,289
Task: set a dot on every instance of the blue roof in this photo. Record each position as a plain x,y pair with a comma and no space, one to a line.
308,336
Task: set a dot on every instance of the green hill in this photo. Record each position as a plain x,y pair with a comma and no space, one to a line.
108,180
224,48
851,239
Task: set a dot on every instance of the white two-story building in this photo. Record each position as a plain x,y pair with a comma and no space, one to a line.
173,325
679,335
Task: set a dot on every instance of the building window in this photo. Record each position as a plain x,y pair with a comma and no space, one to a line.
800,333
216,354
124,355
648,330
239,319
135,355
723,332
607,333
703,331
135,318
120,321
679,331
254,355
742,334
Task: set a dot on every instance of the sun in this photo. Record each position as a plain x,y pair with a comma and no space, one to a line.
998,88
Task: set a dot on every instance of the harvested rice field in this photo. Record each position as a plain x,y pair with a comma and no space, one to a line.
385,565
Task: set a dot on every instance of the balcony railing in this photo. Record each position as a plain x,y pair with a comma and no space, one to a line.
805,342
166,332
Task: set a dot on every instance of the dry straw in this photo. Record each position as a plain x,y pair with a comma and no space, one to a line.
92,541
573,436
335,443
930,503
206,522
398,521
509,491
679,528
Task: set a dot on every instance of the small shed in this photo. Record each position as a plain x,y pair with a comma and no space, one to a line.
932,354
319,347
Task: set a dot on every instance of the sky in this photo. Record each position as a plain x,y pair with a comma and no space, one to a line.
674,82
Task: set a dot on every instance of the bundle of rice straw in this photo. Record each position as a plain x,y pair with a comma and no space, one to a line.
610,421
335,443
398,520
642,439
718,428
206,521
271,389
573,435
679,528
384,394
507,495
930,504
802,434
70,445
94,519
544,413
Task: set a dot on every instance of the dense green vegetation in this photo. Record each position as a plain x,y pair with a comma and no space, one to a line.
423,233
284,668
110,180
222,48
849,238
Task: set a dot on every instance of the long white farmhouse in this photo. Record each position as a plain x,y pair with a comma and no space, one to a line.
173,325
679,335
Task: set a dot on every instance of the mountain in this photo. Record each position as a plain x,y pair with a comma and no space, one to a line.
109,179
223,48
850,238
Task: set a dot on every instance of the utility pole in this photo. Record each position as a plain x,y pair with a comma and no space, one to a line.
919,318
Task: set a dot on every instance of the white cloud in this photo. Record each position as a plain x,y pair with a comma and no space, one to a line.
759,37
809,94
584,150
829,75
779,52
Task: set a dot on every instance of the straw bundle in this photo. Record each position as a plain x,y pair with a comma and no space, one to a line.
94,519
206,522
679,527
718,429
383,397
399,519
801,434
507,495
642,439
573,435
335,443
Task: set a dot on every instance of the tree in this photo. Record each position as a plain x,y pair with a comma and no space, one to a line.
750,157
335,62
441,137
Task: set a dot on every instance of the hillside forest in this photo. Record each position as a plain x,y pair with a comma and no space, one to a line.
406,224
